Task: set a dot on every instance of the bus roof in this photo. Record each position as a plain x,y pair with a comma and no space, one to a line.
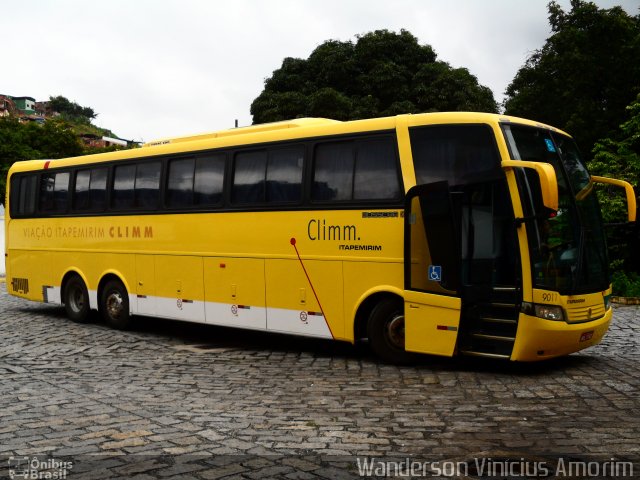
271,132
263,127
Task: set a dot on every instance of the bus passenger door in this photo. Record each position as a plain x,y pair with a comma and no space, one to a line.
432,271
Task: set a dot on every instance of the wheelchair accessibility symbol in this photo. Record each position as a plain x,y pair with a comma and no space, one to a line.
435,273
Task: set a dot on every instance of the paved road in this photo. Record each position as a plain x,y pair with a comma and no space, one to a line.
189,401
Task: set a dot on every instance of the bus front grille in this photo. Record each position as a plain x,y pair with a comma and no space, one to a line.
585,313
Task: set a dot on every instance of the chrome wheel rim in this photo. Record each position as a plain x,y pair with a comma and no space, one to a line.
76,299
395,331
115,304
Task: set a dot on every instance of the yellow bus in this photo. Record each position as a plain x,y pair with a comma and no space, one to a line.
443,233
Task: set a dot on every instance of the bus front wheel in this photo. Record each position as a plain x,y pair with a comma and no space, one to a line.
76,299
386,332
114,305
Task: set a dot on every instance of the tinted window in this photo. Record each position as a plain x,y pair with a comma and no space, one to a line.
195,181
459,154
376,175
147,189
333,174
47,183
61,192
209,180
356,170
273,175
136,186
81,190
28,186
249,177
23,195
284,175
90,190
98,189
180,183
54,190
27,199
124,179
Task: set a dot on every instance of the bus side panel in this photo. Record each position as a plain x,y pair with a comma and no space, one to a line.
179,288
26,275
146,285
45,284
291,298
362,278
235,292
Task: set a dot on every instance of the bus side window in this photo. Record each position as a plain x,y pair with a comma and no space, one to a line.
81,190
376,171
284,175
362,170
208,182
333,172
180,183
98,189
459,154
123,183
54,190
136,186
23,195
90,190
268,176
147,189
249,177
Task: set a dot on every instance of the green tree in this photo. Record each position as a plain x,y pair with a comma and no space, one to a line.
619,157
382,73
31,141
71,110
584,76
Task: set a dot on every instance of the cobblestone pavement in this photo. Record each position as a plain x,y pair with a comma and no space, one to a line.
187,401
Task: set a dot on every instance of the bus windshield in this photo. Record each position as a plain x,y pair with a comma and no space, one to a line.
568,249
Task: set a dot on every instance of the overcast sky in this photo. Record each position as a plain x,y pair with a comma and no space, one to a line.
160,68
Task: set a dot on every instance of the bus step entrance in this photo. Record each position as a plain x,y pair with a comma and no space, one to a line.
489,324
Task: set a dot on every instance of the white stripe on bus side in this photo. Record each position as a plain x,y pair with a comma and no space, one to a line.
282,320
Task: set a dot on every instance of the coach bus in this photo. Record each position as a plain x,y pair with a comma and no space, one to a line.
443,233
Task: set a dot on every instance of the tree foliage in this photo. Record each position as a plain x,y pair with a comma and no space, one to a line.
71,110
31,141
584,76
382,73
619,157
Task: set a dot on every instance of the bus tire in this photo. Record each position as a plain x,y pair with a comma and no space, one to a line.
114,305
386,332
76,300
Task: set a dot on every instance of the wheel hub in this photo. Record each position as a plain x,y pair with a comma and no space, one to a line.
114,304
395,331
76,299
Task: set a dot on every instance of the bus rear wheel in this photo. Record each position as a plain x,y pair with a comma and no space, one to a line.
114,305
386,332
76,299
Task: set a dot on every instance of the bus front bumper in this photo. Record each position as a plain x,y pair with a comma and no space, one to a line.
540,339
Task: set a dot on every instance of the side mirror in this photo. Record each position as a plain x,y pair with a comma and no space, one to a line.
548,180
628,190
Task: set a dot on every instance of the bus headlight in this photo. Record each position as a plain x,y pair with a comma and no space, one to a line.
607,302
549,312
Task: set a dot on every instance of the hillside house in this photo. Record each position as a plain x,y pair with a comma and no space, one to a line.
26,105
7,106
